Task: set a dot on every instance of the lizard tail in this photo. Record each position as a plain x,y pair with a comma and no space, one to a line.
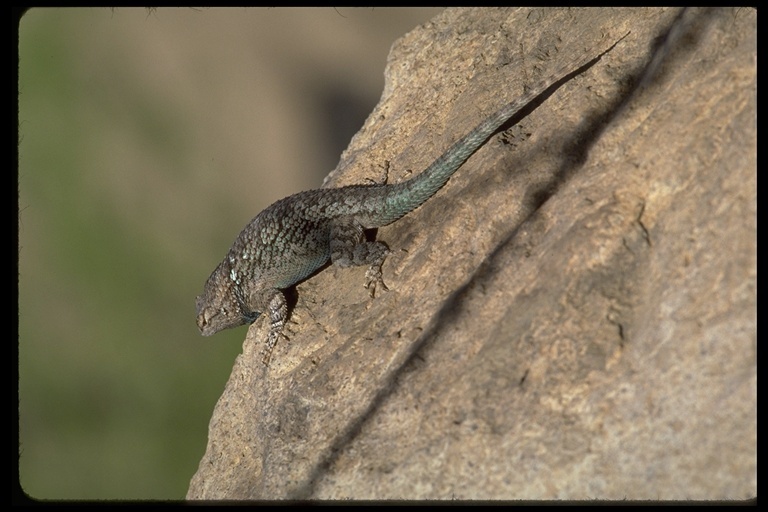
408,195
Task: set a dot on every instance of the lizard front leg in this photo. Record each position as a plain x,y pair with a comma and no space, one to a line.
273,302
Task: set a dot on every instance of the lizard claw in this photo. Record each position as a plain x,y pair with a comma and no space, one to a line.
271,342
373,280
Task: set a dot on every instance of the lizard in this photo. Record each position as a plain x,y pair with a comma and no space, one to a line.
294,237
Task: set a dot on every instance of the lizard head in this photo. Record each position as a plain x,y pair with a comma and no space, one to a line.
218,307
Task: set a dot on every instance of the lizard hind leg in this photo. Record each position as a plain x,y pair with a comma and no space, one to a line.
349,248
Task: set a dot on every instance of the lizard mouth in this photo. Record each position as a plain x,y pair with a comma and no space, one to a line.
209,321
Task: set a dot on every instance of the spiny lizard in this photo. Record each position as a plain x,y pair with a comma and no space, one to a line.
295,236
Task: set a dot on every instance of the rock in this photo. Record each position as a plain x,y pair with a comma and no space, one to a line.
573,316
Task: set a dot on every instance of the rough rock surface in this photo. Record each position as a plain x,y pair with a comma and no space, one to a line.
573,316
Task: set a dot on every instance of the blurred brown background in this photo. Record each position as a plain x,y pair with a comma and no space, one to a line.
148,139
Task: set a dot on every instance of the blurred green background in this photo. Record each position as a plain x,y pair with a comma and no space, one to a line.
148,139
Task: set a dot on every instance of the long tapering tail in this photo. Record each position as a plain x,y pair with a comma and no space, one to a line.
408,195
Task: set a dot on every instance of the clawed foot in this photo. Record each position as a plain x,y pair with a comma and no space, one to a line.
373,280
271,342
